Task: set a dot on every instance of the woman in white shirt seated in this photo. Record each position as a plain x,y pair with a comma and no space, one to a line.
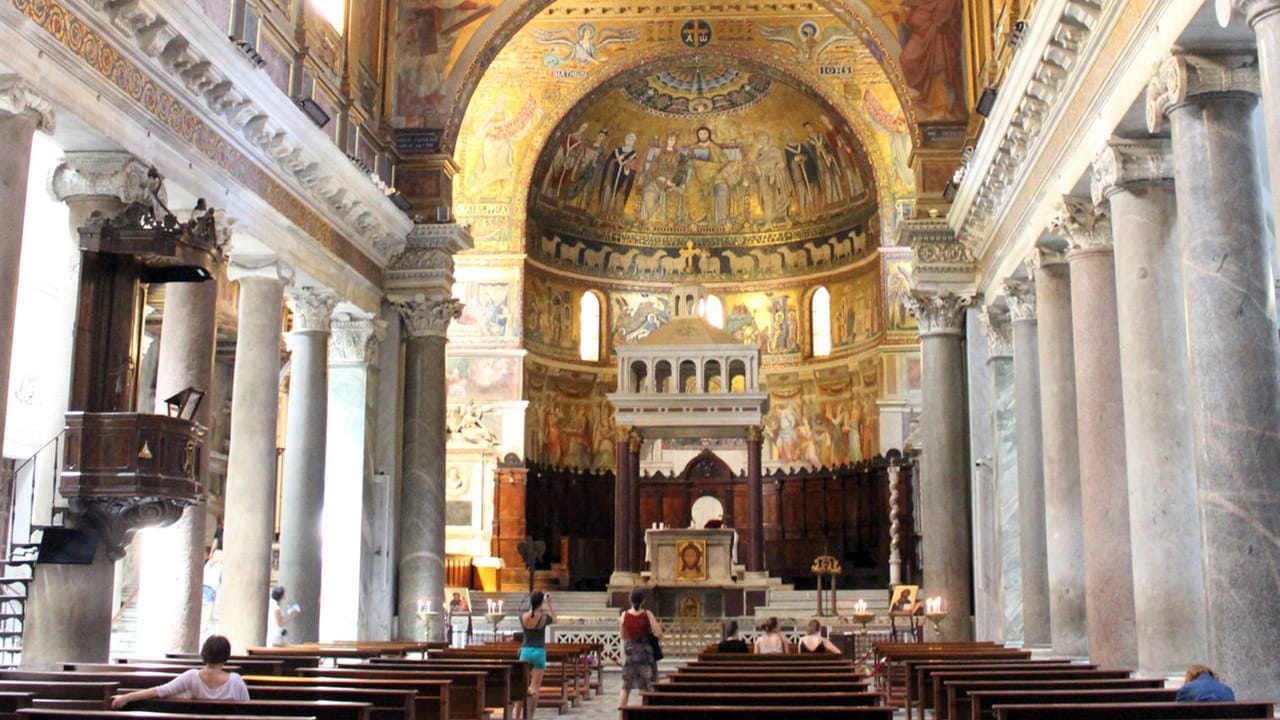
210,682
771,642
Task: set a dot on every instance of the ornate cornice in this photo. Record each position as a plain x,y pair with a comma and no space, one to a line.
427,317
998,330
354,340
1122,163
203,66
18,98
1023,109
1085,225
312,308
1020,295
938,312
426,262
1252,10
114,174
1179,78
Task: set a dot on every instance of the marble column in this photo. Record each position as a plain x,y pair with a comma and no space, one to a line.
998,328
249,525
944,481
347,591
755,501
988,622
1064,533
1264,17
382,494
422,491
1135,177
1234,357
1109,603
172,562
1021,299
635,533
22,112
302,499
621,495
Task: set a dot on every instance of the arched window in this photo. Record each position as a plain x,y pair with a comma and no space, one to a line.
589,327
820,321
715,312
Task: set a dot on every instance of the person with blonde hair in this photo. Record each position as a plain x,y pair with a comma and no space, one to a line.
1202,685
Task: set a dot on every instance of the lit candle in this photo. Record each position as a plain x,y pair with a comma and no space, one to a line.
428,606
860,607
499,607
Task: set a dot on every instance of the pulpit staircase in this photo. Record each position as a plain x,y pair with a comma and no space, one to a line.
28,519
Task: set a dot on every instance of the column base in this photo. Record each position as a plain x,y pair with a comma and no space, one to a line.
755,578
624,580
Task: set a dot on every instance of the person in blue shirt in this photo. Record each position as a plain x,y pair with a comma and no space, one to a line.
1202,685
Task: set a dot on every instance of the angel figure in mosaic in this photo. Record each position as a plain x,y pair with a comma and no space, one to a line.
807,40
580,46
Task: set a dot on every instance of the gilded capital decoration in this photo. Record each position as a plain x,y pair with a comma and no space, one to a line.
635,443
1252,10
1020,295
938,312
354,340
1179,78
1130,162
425,317
998,331
621,433
17,97
113,174
1085,225
754,434
312,308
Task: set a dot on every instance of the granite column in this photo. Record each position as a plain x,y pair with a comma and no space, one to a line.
1021,299
944,481
635,533
1264,17
249,527
1136,178
1108,571
1064,533
1004,502
621,498
755,501
1234,356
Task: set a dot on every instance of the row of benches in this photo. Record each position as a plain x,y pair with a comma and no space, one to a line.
980,681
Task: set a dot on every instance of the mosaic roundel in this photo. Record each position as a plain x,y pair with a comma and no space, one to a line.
698,87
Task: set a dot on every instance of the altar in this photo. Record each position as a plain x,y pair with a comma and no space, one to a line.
689,556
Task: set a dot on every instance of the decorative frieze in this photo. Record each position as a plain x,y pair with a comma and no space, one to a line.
312,308
1180,77
425,317
354,340
1130,162
18,98
1085,225
998,330
1020,296
938,312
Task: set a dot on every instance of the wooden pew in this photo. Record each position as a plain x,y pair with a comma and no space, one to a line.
11,702
983,702
735,712
774,699
72,714
950,701
318,709
246,665
385,703
466,692
83,695
125,680
764,676
919,693
967,688
566,687
506,681
176,669
1138,711
432,698
712,656
796,686
289,663
891,658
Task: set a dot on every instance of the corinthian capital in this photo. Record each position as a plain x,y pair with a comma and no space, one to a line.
113,174
1085,225
425,265
1021,298
427,317
17,97
998,331
312,308
1252,10
938,313
1130,162
354,340
1180,78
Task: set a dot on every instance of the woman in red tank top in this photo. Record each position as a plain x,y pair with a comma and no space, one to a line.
636,626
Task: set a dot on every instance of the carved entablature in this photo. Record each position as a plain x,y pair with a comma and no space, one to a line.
1180,77
1020,296
938,312
1085,225
1028,100
424,317
17,97
425,264
1122,163
312,308
354,340
998,330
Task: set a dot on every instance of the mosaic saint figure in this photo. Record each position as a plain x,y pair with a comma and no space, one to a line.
773,182
662,185
588,169
707,162
564,165
619,176
806,185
